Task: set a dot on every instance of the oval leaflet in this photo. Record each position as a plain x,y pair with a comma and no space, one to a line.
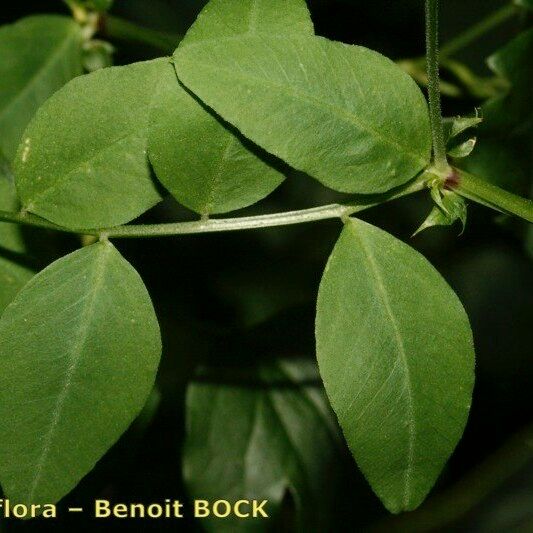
80,347
396,355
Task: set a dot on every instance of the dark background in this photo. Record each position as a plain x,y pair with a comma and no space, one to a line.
255,292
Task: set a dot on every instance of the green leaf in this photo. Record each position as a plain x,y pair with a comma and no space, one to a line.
80,347
82,163
13,274
206,165
396,355
321,106
282,439
39,55
223,19
511,114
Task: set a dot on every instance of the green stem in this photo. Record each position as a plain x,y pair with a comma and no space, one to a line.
485,193
228,224
123,30
467,185
478,30
432,60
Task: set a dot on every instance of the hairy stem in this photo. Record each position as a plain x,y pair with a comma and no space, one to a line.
485,193
227,224
123,30
478,30
432,60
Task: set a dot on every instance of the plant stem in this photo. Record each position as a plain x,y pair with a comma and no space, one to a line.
478,30
485,193
123,30
230,224
432,59
227,224
468,186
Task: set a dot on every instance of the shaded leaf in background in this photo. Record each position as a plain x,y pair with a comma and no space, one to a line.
39,55
525,3
80,347
82,162
321,106
13,274
396,354
512,114
500,163
282,442
206,165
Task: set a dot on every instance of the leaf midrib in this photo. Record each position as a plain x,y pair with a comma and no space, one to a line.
76,353
217,175
382,291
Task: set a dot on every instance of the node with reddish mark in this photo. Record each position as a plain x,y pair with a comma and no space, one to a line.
452,181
